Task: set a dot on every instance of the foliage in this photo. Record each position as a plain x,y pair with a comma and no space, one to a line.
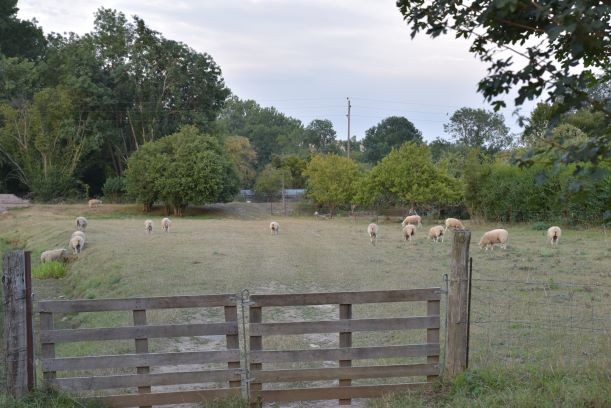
479,128
19,38
270,181
186,167
541,226
51,269
293,164
230,402
114,188
389,133
244,158
407,175
332,180
320,136
48,399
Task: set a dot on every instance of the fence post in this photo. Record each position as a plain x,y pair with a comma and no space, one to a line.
18,333
142,346
256,343
456,345
345,340
432,335
232,340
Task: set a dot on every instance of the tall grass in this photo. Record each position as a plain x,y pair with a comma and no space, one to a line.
53,269
47,399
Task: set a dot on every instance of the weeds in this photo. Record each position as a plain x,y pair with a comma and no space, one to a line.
53,269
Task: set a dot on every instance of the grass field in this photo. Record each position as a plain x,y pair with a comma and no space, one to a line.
553,313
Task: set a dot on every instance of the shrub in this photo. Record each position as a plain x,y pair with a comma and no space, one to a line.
540,226
114,188
48,270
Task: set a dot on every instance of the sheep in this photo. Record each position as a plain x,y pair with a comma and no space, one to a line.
77,243
409,231
436,232
553,235
81,223
372,230
454,223
274,228
165,224
496,236
80,234
53,255
94,203
148,226
412,219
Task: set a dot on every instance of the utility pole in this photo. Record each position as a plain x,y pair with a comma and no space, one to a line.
348,145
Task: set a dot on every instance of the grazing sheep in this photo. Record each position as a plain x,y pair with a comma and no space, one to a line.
79,234
553,235
372,230
436,232
274,227
165,224
77,243
148,226
409,231
454,224
496,236
412,219
81,223
94,202
53,255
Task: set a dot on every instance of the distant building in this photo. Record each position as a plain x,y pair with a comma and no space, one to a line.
289,193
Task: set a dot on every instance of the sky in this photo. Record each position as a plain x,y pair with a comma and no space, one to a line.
306,57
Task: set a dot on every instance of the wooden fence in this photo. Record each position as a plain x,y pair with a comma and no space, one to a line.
142,360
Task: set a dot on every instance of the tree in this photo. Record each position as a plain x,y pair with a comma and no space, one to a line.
294,165
320,136
389,133
407,175
187,167
479,128
270,181
563,48
244,157
19,38
331,180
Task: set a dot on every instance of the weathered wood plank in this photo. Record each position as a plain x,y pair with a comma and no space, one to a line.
311,394
233,342
324,298
139,360
47,349
255,343
334,354
319,374
144,380
142,347
432,336
334,326
165,398
135,332
345,341
161,302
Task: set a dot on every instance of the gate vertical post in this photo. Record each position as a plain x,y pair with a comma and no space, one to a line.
18,333
458,306
255,343
345,340
233,341
47,349
432,335
142,346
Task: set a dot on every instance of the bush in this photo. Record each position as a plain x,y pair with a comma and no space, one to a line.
540,226
48,270
114,188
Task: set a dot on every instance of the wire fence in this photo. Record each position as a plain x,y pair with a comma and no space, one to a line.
540,322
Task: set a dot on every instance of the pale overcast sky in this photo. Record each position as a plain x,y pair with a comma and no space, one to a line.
306,56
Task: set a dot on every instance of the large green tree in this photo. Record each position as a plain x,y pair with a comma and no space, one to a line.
479,128
320,136
389,133
19,38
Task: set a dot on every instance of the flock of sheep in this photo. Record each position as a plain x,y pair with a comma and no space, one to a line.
165,225
436,233
76,243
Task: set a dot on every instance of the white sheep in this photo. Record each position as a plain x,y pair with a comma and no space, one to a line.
412,219
148,226
454,224
372,230
81,223
274,228
165,224
77,243
553,235
94,202
53,255
436,232
409,231
79,234
496,236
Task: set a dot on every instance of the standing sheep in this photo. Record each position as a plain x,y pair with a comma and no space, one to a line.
53,255
94,203
79,234
553,235
412,219
148,226
372,230
409,231
165,224
496,236
436,232
274,228
81,223
454,224
77,243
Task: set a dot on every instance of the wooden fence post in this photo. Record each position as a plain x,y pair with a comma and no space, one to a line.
456,345
255,344
345,340
142,346
18,333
